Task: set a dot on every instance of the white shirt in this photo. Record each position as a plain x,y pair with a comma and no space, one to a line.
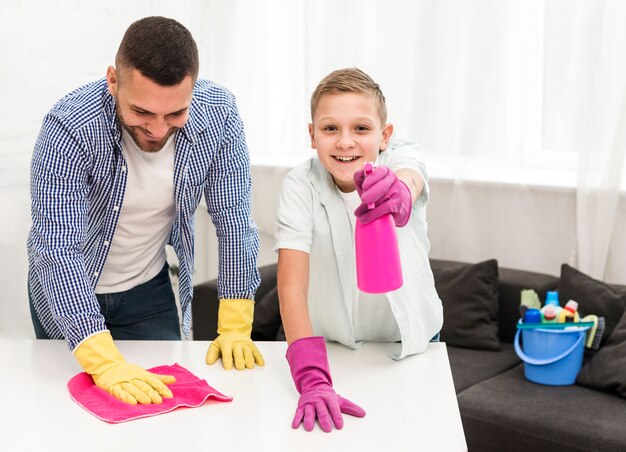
137,251
312,218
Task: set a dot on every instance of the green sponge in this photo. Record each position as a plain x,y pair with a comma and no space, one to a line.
530,299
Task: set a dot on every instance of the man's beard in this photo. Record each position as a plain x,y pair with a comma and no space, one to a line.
140,138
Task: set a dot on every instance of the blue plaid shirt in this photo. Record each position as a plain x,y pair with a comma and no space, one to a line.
78,178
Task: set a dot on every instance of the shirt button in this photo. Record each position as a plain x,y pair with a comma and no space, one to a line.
106,243
123,169
116,208
95,273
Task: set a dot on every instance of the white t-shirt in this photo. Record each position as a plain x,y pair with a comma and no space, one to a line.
372,317
137,251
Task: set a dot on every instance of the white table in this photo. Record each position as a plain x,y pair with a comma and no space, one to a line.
410,404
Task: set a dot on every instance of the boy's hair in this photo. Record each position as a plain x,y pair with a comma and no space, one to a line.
349,80
161,49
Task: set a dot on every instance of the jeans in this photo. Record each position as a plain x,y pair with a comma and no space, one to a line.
147,311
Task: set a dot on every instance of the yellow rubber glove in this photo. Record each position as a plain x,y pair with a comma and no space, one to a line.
132,384
234,326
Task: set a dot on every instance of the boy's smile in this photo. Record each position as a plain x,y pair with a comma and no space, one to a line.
347,131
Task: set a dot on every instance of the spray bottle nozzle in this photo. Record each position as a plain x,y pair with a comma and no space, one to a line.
368,167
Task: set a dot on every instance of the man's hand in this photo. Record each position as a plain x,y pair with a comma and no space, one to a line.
234,326
127,382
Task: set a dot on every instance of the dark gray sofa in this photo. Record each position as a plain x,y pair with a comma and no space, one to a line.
500,409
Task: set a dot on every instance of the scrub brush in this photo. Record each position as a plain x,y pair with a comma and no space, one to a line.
595,333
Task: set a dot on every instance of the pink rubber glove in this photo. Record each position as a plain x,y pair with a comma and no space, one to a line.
386,192
318,400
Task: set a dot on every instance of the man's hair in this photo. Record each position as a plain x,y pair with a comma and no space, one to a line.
350,80
161,49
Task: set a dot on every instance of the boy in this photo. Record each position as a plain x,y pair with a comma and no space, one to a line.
319,203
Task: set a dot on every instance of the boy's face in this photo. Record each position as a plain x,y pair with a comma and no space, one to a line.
347,132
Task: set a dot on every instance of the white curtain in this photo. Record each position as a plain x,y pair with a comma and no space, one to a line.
595,89
462,76
493,90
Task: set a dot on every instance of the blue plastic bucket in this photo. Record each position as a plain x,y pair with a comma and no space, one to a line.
551,357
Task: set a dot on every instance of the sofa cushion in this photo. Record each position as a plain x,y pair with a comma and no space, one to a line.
509,413
473,366
593,297
606,369
469,293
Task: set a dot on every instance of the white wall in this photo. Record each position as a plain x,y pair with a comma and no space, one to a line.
48,48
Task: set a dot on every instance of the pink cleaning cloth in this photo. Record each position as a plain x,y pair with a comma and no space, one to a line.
188,390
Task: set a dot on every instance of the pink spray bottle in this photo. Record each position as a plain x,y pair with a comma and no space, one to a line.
378,268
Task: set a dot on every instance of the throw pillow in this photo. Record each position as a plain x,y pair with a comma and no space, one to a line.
606,370
593,297
469,294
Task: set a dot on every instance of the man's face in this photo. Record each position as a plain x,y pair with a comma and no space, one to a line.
347,132
150,113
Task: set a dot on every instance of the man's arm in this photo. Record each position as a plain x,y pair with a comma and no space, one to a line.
228,196
59,187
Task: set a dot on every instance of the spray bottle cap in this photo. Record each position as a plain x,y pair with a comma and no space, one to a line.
550,312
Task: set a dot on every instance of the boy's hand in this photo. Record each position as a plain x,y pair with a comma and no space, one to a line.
318,400
388,195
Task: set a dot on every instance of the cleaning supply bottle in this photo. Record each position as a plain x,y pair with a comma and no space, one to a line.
569,313
378,267
548,314
552,299
532,315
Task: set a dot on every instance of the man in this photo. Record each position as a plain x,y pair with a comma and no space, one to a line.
118,170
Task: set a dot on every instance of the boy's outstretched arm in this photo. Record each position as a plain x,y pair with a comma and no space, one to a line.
413,179
306,353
